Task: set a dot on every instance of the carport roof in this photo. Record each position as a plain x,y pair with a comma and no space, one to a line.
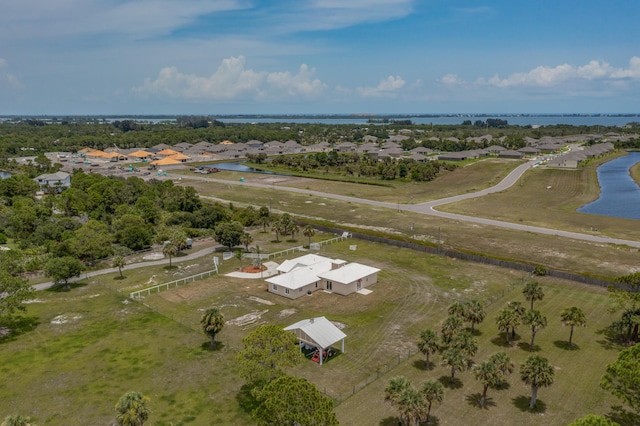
318,331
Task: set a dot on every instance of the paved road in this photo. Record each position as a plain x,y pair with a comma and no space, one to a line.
190,256
428,208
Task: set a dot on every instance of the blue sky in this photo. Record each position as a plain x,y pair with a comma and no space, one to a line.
319,56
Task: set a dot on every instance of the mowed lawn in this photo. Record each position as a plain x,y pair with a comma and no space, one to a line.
90,345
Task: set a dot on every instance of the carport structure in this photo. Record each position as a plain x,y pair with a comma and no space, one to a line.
318,332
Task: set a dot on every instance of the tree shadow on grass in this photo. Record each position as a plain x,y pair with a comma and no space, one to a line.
610,340
13,327
477,332
526,347
63,288
390,421
246,400
120,278
620,415
170,268
504,385
474,400
563,344
502,341
450,383
522,402
419,364
207,346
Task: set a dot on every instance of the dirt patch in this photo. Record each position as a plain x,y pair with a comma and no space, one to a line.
264,302
253,269
248,318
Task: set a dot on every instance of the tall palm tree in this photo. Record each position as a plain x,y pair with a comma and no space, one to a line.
537,321
132,409
414,406
519,310
17,420
456,309
394,393
451,326
488,374
170,249
245,240
573,316
507,320
309,231
428,343
212,322
474,313
533,291
536,372
465,341
456,359
432,391
502,362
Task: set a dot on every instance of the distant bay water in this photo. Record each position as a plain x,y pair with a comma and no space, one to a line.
520,120
619,193
453,120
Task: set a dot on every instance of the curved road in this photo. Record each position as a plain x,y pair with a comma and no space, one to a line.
428,207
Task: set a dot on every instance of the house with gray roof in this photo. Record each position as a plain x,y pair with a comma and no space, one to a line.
307,274
54,182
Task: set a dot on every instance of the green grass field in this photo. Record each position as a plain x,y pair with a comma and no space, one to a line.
80,350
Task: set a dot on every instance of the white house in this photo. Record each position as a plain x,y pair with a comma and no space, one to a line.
55,182
309,273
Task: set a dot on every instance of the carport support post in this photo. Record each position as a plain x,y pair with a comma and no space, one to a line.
343,346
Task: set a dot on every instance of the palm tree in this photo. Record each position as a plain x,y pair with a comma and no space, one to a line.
119,262
432,391
132,409
488,374
238,255
537,321
308,231
245,240
451,326
474,313
428,343
573,316
414,406
533,291
507,320
277,228
536,372
394,393
465,341
519,310
170,249
212,322
502,362
17,420
455,358
456,309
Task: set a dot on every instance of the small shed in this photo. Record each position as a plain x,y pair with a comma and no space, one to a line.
318,332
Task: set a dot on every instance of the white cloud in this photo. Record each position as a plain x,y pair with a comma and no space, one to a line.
302,83
28,19
334,14
8,78
544,76
451,80
387,87
231,81
632,72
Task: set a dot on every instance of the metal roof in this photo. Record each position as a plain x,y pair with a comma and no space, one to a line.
322,332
